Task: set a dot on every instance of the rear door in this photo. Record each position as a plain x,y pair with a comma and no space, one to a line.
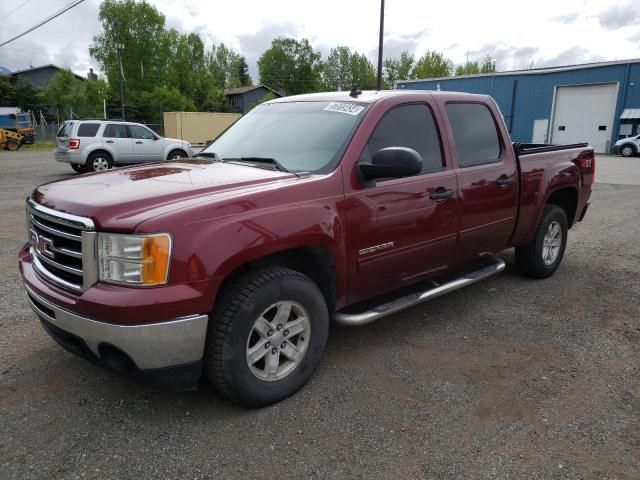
487,178
116,136
398,233
146,145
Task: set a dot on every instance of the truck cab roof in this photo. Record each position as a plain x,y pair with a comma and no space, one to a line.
369,96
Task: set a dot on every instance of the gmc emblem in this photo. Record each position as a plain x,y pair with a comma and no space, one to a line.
40,243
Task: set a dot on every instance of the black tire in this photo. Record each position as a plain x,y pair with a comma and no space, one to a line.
241,303
79,168
627,150
177,154
12,145
98,158
530,257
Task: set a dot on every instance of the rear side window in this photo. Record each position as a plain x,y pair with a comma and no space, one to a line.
88,129
65,129
410,126
474,133
115,131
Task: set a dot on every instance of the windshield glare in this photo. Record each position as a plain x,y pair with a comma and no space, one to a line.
301,136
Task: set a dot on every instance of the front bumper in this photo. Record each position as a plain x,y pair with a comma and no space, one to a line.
173,347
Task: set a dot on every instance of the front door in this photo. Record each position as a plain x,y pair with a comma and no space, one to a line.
147,147
399,230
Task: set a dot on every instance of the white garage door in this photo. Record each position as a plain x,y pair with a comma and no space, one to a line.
584,113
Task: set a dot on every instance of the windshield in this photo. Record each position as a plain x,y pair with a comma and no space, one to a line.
299,136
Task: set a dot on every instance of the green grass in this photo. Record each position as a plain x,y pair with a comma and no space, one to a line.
37,146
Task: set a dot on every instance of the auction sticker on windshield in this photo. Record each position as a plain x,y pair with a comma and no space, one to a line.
341,107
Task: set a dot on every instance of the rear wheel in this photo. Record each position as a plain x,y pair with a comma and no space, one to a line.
542,256
12,145
78,168
627,151
266,336
99,162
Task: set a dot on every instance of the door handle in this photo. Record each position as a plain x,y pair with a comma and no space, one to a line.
441,193
139,142
504,180
109,141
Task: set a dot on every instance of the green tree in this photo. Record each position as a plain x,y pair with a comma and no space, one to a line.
395,69
93,95
243,73
7,92
146,46
469,68
362,72
336,71
432,65
291,65
488,65
26,97
223,66
151,105
215,101
64,92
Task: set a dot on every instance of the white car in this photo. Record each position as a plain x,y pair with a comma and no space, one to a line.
627,147
98,145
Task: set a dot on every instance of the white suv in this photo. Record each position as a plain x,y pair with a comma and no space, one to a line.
627,147
97,145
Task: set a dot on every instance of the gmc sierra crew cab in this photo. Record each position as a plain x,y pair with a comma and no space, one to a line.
343,207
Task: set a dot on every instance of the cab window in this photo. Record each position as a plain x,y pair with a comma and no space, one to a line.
115,131
411,126
474,133
140,132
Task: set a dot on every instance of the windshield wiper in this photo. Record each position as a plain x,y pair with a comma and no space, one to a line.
208,155
268,160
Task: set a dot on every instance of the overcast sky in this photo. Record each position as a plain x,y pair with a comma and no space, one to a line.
516,33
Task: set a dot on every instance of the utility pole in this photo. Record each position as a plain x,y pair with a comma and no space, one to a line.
119,48
380,41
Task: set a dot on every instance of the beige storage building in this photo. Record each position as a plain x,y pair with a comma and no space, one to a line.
197,127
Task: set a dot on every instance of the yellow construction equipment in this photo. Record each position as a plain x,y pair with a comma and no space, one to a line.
10,140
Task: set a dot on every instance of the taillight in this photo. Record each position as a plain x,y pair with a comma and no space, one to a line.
74,143
587,164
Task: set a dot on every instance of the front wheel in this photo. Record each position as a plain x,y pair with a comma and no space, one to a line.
176,155
266,336
541,256
627,151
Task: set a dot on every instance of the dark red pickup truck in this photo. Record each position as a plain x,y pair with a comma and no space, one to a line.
337,206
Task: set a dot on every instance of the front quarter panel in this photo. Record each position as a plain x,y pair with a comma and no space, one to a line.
211,240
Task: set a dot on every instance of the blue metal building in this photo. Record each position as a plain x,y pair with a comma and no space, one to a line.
598,102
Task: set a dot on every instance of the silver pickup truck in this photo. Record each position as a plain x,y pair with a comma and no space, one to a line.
98,145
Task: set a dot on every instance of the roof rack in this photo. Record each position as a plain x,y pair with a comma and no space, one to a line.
103,119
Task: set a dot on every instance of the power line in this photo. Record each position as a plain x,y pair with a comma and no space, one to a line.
46,20
17,8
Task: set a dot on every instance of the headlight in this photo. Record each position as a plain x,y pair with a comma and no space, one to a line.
134,259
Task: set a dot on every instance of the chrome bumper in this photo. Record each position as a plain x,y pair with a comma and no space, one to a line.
150,346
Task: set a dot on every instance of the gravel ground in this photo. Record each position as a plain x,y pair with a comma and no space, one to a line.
510,378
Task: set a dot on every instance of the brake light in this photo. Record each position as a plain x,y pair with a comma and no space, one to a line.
74,143
587,164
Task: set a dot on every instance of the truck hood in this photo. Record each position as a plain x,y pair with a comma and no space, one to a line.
122,198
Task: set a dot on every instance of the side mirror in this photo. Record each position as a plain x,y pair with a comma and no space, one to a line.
391,162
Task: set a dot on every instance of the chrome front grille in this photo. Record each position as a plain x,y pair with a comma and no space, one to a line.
62,247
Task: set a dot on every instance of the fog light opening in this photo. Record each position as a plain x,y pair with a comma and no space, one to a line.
117,359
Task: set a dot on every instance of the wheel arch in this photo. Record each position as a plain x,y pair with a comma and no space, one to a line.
175,149
99,150
316,262
565,198
633,146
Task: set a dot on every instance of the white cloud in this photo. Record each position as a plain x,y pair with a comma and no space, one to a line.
516,33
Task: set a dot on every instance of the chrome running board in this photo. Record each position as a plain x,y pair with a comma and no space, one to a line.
388,308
